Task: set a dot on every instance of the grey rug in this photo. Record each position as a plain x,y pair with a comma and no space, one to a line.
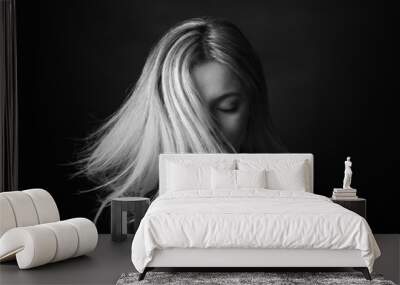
269,278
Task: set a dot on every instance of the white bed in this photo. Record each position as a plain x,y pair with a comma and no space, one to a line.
249,227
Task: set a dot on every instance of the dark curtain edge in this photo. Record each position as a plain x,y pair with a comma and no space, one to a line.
8,97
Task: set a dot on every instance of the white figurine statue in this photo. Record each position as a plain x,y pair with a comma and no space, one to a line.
347,174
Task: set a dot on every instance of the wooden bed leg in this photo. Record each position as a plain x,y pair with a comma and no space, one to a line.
364,271
142,275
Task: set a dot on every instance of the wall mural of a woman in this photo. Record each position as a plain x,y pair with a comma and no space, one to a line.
202,90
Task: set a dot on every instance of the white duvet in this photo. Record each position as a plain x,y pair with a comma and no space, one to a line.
251,218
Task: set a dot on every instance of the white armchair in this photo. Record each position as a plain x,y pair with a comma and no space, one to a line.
31,230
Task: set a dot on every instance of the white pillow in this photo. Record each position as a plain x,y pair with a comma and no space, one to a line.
181,178
237,179
251,178
223,179
282,174
187,174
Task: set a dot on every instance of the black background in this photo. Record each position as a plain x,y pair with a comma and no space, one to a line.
329,68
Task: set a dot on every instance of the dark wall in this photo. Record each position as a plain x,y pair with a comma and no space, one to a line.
328,65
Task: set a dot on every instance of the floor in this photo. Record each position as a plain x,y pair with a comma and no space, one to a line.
110,260
102,266
389,262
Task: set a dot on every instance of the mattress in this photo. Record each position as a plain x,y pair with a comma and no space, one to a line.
250,218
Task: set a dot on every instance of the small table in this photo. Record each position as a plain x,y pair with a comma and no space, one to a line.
358,205
126,214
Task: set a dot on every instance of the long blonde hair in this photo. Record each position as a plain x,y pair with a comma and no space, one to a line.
164,113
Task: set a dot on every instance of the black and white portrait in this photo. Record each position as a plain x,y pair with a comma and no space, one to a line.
105,87
202,90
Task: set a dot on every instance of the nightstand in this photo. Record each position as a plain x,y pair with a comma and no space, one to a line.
358,205
126,214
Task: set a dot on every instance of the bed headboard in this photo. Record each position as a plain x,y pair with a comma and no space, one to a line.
164,157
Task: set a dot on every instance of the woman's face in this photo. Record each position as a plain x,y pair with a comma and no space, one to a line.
225,98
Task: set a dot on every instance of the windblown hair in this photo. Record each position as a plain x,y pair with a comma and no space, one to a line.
164,113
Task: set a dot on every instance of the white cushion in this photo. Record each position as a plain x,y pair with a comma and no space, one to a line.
26,208
182,177
236,179
23,208
7,219
40,244
223,179
282,174
67,237
45,205
32,246
188,175
251,178
87,233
